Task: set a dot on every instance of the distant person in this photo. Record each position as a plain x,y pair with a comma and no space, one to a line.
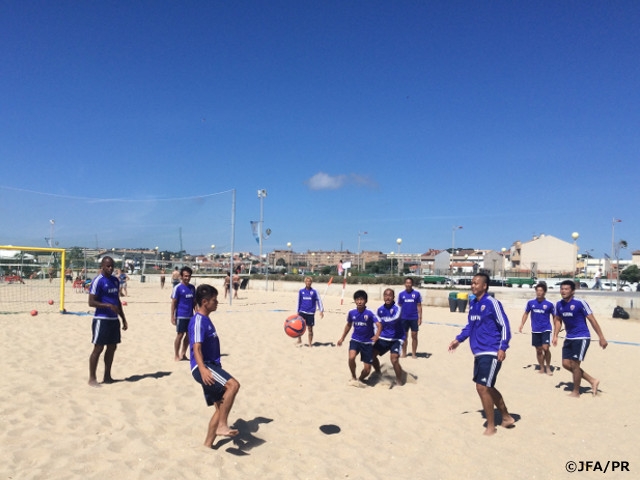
489,333
236,282
542,311
410,302
597,285
392,336
219,387
124,278
308,302
175,277
340,268
162,277
366,331
183,302
574,313
52,273
104,297
227,284
68,275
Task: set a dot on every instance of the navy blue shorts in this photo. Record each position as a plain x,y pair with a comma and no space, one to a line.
212,393
575,349
383,346
364,349
485,369
539,339
182,324
410,325
105,332
309,318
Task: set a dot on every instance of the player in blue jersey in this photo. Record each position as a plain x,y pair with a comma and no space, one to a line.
219,387
392,335
308,302
574,313
104,297
366,331
542,311
489,333
183,303
410,302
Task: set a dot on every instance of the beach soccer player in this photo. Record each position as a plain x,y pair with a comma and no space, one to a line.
542,311
366,331
410,302
104,297
308,302
574,313
183,302
489,333
392,335
219,387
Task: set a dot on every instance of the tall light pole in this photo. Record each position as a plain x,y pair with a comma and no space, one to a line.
399,242
503,250
53,224
289,261
360,252
391,270
613,231
575,236
453,246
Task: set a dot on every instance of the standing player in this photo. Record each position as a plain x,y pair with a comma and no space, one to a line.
392,335
542,311
575,313
182,307
410,303
308,302
219,387
123,277
366,331
104,297
489,334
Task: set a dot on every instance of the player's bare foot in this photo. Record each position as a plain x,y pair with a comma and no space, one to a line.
508,422
541,370
575,394
490,431
549,371
108,380
227,432
94,383
356,383
177,359
414,356
594,387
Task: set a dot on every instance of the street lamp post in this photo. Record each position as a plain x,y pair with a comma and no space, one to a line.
360,252
262,194
503,250
391,269
453,246
399,242
289,260
575,236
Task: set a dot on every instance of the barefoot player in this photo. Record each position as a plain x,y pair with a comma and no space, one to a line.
220,388
308,302
182,308
489,334
392,336
574,313
542,311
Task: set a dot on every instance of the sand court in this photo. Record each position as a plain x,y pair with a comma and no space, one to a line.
152,421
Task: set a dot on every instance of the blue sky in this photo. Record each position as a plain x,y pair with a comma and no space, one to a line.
401,119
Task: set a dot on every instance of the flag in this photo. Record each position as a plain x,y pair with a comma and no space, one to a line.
254,230
616,220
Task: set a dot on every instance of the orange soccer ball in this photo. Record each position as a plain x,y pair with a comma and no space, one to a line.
50,302
34,313
295,326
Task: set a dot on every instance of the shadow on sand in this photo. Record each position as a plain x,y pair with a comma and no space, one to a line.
137,378
245,440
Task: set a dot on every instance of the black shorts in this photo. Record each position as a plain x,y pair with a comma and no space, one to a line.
105,331
309,318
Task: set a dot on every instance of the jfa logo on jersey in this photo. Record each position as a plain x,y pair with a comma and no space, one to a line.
572,308
482,308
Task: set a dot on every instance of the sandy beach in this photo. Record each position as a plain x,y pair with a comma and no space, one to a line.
151,423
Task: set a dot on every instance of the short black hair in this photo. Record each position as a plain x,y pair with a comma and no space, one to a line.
360,294
485,277
542,285
571,283
186,269
205,292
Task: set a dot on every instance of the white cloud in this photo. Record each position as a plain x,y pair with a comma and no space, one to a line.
324,181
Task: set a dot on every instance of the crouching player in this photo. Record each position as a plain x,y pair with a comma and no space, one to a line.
220,388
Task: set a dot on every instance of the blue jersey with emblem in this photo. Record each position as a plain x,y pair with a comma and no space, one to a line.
106,290
488,327
186,297
408,302
574,316
541,315
362,323
202,331
391,326
308,301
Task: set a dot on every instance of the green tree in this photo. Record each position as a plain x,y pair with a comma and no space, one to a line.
630,274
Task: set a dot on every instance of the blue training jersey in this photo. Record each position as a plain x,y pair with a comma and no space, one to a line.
362,323
391,325
488,327
106,290
309,300
202,331
408,302
574,316
186,297
541,315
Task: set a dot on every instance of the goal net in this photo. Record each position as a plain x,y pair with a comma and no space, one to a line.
32,279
